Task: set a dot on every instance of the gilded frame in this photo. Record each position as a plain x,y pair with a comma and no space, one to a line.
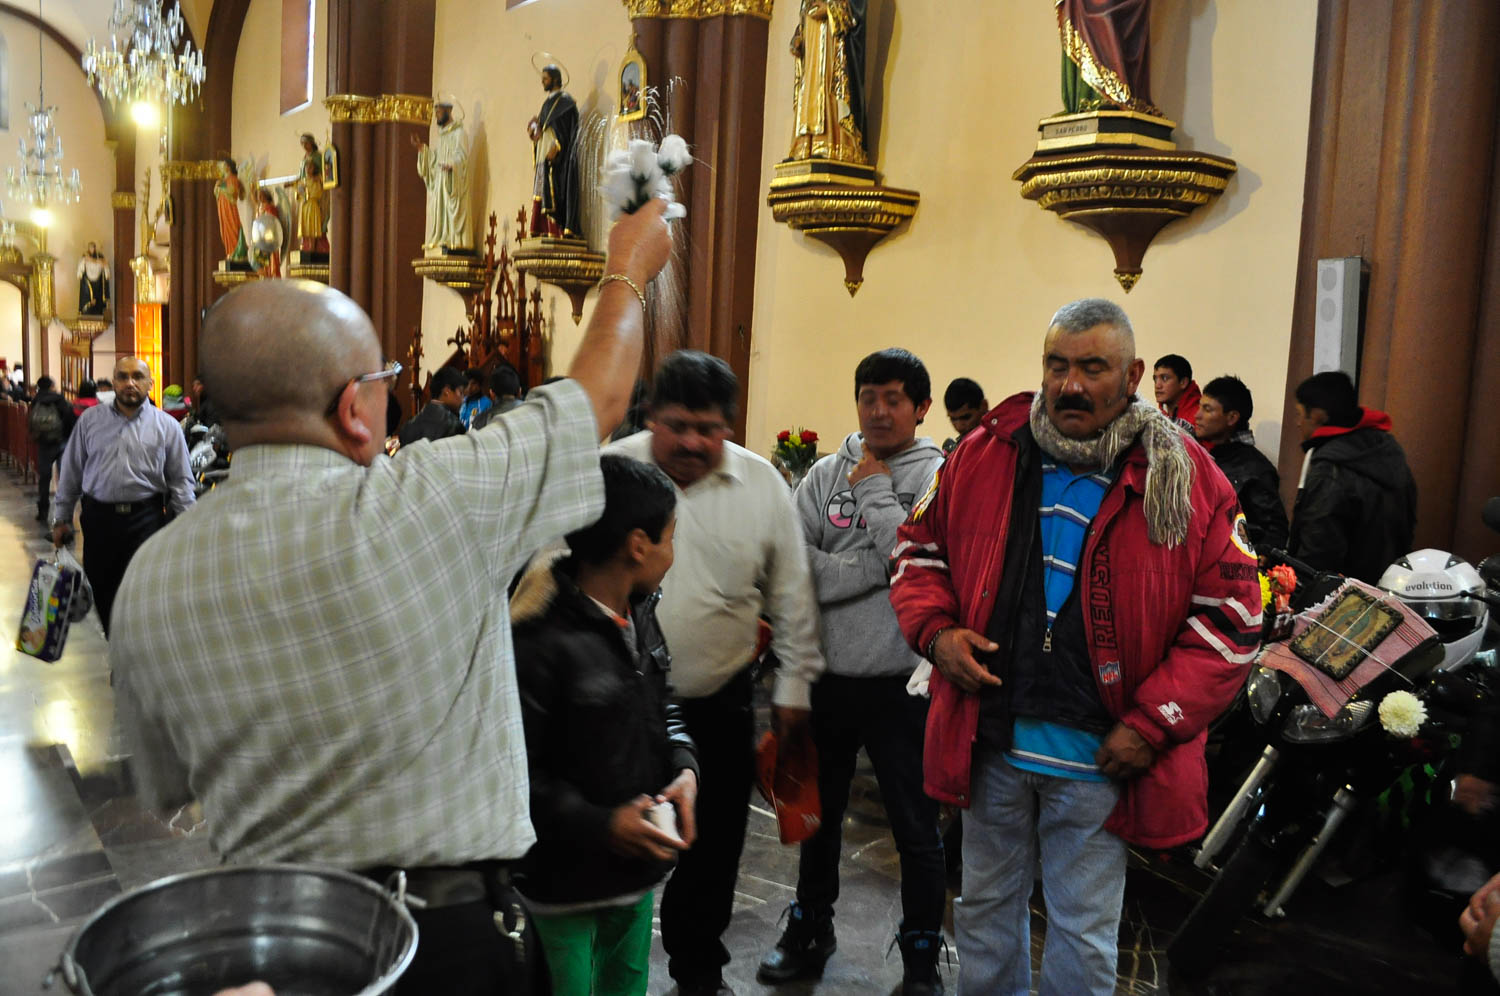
631,80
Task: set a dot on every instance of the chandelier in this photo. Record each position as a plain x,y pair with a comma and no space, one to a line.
40,181
142,64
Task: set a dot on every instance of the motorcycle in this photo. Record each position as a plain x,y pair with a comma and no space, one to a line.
1332,734
208,457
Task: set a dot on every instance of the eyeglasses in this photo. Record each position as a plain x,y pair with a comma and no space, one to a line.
391,369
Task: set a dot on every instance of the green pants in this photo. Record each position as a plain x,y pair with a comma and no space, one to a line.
604,952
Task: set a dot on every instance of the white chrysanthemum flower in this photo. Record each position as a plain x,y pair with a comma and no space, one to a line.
674,155
643,159
1402,714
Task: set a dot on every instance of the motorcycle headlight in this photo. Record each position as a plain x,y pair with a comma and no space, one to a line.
1263,691
1308,725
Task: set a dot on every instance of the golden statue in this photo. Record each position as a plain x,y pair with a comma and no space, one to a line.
828,94
312,219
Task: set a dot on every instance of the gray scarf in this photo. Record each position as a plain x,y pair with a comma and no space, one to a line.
1169,469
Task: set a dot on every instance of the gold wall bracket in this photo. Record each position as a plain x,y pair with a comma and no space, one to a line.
463,273
1117,185
566,263
840,205
308,266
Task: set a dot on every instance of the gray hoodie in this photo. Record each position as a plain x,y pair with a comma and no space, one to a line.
850,534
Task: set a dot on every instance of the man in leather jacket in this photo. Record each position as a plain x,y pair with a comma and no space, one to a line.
1223,428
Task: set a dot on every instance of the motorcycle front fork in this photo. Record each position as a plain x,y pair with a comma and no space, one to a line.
1234,813
1343,804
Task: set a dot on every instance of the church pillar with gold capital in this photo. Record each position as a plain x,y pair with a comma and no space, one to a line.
188,176
380,86
718,49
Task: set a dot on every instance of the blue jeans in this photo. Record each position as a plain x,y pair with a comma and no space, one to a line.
1083,882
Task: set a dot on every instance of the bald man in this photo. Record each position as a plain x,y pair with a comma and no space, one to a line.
129,461
319,711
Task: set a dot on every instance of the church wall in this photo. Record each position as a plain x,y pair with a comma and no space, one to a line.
483,54
258,127
80,125
971,283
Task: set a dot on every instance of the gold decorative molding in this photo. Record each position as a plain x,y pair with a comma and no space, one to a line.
122,200
464,274
566,263
308,271
1126,195
43,302
850,217
698,9
405,108
11,255
189,169
86,328
230,279
145,279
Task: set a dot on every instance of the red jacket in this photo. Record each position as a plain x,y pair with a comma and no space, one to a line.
1185,412
1171,632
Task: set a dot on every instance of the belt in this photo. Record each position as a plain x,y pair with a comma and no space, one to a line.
127,507
436,886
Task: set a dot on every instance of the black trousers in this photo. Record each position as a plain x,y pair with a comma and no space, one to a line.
699,897
112,534
877,714
47,456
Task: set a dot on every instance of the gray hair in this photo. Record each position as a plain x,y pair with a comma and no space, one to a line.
1084,314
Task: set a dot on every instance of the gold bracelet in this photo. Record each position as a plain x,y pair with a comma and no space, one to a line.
630,283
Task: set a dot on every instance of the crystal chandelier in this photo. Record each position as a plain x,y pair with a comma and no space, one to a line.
40,181
142,64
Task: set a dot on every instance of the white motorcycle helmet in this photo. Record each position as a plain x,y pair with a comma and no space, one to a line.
1442,589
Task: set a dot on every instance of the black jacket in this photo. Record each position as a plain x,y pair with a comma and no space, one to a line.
1357,507
433,422
64,409
1258,487
600,730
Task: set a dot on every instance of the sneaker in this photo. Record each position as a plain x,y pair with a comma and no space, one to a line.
919,956
804,948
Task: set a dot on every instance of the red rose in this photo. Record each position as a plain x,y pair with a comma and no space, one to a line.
783,435
808,437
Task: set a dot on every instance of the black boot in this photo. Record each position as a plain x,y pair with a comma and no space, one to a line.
919,956
805,946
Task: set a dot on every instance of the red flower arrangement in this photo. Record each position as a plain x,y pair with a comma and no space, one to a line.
796,451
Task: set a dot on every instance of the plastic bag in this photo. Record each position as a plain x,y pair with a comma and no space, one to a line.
790,784
48,610
83,592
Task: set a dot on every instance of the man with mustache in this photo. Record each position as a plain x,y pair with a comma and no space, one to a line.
1076,580
739,554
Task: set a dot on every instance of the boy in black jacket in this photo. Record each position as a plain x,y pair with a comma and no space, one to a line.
614,775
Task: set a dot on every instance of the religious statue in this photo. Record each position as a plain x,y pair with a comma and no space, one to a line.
265,206
828,107
229,192
1105,45
93,283
554,139
312,219
444,167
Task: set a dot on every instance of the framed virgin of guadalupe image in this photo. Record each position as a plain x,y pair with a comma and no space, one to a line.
330,165
632,104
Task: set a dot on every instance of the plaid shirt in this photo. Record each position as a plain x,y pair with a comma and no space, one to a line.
337,683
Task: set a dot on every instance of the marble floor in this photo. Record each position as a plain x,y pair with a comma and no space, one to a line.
72,837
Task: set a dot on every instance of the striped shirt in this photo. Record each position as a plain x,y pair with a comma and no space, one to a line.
1069,504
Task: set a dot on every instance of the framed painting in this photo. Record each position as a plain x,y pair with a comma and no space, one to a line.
632,102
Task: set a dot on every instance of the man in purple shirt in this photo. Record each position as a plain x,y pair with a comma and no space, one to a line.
128,460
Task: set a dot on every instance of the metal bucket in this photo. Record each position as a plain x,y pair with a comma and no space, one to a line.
306,931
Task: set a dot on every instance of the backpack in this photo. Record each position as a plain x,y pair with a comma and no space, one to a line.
45,423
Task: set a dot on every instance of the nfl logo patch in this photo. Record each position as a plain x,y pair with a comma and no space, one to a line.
1109,673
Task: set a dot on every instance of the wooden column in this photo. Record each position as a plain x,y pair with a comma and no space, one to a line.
198,138
121,132
720,110
379,85
1402,172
